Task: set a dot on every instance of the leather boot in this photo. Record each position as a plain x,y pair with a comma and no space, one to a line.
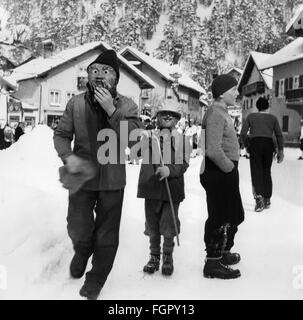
167,266
153,264
214,268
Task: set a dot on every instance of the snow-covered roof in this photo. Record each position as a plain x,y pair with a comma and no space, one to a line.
257,58
16,54
240,71
7,84
163,68
295,19
292,52
40,66
267,74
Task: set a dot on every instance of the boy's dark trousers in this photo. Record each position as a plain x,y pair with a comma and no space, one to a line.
261,156
224,205
97,235
159,221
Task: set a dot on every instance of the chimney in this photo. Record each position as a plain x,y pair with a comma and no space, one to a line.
48,48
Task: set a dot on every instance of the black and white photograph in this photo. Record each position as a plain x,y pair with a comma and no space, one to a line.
151,150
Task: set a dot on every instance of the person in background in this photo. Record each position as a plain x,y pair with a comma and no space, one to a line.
301,140
219,177
262,125
19,131
6,137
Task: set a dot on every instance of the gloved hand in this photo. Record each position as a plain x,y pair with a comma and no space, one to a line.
163,172
280,156
74,164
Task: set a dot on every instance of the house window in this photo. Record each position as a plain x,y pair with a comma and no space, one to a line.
285,120
69,95
145,93
169,93
251,103
54,98
30,121
82,71
281,93
13,120
301,81
296,82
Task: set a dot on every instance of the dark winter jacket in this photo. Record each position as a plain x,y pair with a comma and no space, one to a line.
82,121
18,133
149,186
3,143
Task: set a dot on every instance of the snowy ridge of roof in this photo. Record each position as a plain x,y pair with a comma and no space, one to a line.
293,51
137,71
162,67
295,17
236,69
38,66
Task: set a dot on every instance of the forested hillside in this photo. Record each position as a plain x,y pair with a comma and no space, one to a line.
212,42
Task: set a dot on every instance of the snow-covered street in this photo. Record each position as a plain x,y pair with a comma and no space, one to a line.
35,250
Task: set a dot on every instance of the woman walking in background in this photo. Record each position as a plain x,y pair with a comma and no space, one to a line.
262,125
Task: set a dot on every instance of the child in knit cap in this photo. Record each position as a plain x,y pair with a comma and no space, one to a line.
152,187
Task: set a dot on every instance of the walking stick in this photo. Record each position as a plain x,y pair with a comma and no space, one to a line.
168,192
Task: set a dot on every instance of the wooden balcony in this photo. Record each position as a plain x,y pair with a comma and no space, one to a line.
253,88
295,95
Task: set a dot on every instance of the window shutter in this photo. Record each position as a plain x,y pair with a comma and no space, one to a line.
277,88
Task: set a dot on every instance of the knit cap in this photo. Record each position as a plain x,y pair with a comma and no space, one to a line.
221,84
108,57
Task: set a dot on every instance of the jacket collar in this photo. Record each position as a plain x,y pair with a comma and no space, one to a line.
220,105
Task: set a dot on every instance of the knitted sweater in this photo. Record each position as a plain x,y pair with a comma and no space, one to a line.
262,124
221,142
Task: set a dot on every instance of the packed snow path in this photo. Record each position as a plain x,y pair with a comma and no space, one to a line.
35,250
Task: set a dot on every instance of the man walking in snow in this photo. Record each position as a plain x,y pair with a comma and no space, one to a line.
86,114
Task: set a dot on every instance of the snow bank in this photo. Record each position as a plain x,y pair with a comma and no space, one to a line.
36,251
33,208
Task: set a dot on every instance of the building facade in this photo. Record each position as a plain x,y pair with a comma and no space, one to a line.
255,83
52,84
159,71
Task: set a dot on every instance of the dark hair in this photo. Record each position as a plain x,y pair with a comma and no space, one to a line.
262,104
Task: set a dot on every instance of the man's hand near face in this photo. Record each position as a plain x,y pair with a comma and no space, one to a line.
105,100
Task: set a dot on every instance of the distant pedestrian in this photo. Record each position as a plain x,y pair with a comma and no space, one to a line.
262,125
301,140
6,137
19,131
